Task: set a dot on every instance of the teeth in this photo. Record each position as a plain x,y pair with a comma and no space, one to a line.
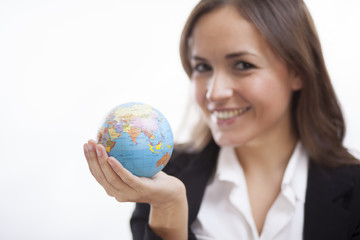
229,114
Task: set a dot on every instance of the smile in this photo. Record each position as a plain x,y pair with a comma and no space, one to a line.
229,114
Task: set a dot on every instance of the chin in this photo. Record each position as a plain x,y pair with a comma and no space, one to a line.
227,139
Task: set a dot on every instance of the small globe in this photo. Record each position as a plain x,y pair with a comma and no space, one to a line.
139,137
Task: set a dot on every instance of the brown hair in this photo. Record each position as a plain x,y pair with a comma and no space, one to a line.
289,30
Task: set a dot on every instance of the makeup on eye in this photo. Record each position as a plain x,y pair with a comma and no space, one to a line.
243,66
239,65
202,67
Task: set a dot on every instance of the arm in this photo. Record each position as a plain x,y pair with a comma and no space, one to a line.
356,235
165,194
170,220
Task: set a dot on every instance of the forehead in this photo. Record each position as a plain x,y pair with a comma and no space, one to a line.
225,30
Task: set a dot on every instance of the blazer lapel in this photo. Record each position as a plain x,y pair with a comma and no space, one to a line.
325,217
325,213
197,176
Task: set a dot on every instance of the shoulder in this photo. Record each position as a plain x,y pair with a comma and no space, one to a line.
347,173
340,185
352,170
348,177
332,205
183,160
180,158
340,177
352,175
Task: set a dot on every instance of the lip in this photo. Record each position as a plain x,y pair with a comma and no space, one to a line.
227,116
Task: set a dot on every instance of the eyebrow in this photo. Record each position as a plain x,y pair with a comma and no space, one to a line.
199,58
238,54
227,56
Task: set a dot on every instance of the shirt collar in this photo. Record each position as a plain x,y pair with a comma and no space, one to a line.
294,182
228,167
296,172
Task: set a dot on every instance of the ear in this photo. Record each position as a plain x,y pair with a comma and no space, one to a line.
296,82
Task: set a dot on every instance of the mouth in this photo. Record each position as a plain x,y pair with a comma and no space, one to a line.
229,114
226,117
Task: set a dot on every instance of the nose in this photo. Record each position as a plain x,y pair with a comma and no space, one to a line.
219,88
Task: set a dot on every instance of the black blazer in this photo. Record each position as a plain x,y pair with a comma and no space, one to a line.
332,205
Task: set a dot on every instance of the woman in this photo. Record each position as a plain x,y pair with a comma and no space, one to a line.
267,159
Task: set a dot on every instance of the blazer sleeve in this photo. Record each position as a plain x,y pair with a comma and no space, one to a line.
356,235
184,166
139,223
355,205
140,228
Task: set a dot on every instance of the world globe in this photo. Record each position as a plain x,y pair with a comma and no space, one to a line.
139,137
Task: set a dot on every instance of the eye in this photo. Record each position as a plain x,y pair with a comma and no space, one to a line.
241,65
202,67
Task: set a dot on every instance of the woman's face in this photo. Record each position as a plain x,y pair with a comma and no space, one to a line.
242,87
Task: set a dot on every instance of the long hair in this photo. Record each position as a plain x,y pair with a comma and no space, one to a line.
289,29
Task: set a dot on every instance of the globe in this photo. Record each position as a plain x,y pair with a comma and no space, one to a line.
139,137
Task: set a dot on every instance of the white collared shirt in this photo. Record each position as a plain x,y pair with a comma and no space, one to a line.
225,212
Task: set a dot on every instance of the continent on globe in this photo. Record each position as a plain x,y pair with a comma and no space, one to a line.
138,136
134,133
164,160
157,147
113,134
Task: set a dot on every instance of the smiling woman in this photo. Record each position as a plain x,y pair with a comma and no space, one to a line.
245,89
269,159
289,35
266,100
64,63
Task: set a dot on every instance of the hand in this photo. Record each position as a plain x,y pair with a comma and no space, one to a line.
165,194
160,191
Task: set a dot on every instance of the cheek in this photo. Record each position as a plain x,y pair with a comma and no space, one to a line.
270,97
271,89
199,90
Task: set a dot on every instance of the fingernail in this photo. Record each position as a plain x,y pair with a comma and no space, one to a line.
86,148
89,147
110,162
98,152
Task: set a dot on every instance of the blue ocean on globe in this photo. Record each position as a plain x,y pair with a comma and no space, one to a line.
139,137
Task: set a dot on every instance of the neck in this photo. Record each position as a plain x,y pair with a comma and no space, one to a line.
268,156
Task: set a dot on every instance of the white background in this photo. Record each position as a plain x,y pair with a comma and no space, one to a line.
64,64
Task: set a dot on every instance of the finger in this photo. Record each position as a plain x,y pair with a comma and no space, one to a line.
126,176
93,162
86,153
96,169
111,177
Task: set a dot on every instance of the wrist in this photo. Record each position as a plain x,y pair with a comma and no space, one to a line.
169,219
172,200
